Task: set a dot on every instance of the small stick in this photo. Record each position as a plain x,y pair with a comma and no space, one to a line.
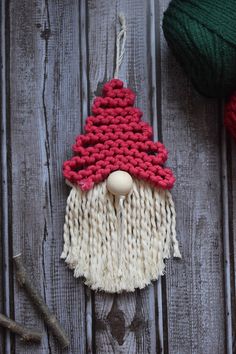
49,318
27,335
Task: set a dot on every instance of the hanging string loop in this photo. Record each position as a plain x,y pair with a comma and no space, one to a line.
120,44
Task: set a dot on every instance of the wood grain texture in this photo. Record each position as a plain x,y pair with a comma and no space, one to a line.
125,323
61,53
2,77
226,198
232,232
46,91
4,220
1,301
194,285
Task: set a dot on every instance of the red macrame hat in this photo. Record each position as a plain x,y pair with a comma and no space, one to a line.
116,139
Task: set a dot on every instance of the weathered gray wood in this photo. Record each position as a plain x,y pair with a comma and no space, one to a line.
124,323
4,242
1,301
49,84
232,234
1,296
46,92
226,239
194,285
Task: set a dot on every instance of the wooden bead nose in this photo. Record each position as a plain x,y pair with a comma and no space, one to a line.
119,183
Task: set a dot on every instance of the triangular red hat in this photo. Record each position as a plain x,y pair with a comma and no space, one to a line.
117,139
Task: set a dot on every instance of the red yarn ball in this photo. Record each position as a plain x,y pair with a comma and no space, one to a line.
230,115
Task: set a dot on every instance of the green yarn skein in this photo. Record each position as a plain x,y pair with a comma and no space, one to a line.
202,36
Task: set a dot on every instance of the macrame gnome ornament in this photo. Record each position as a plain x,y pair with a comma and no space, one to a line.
120,216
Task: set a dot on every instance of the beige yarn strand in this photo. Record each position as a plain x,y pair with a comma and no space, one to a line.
120,231
120,44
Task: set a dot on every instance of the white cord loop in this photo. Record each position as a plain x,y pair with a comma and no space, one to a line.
120,44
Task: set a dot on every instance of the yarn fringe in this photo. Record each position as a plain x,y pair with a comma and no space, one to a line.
92,237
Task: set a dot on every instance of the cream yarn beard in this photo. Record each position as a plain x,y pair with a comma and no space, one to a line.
116,255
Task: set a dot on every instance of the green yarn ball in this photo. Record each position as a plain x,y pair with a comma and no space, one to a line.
202,36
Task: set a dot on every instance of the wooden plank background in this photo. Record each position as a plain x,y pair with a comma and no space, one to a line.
57,56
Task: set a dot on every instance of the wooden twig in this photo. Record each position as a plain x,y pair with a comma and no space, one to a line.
49,318
27,335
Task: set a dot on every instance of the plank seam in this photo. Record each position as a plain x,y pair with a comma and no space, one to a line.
226,235
84,60
4,175
157,134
